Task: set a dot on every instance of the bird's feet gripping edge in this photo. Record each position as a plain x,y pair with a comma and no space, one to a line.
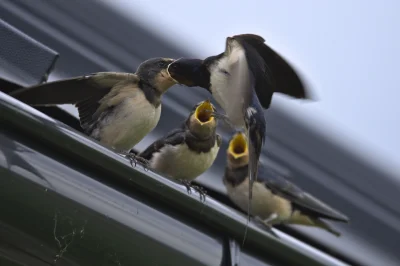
189,188
134,159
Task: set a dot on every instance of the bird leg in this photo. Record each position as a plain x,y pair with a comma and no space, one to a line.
265,225
272,217
189,187
134,159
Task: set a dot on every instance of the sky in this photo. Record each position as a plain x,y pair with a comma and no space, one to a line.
348,51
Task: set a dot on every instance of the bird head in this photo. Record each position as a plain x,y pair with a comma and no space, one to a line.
202,122
154,73
238,151
190,72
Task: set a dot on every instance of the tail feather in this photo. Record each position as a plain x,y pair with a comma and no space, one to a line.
255,144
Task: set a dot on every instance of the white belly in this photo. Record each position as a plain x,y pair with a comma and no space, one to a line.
179,162
134,119
220,91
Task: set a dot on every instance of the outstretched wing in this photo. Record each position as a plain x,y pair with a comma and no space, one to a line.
84,91
279,75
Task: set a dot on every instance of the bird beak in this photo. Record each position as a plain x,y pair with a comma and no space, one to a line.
238,147
170,66
204,112
185,71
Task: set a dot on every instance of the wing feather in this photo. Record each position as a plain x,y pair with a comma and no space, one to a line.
299,198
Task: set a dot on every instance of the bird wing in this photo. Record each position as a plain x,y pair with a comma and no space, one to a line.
300,199
173,138
279,75
85,92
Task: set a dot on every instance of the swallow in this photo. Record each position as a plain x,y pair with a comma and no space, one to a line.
275,200
242,79
188,151
116,109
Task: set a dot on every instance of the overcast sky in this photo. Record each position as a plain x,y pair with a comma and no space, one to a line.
348,51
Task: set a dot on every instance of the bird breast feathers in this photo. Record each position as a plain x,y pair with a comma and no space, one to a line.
231,90
181,162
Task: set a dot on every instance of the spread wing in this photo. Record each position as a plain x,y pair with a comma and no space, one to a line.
173,138
279,75
300,199
85,92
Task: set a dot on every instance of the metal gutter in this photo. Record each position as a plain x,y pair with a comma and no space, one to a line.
87,154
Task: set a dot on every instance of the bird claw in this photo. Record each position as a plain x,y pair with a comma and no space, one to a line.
189,188
134,159
202,192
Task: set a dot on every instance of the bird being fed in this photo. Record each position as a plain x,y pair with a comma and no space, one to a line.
188,151
275,199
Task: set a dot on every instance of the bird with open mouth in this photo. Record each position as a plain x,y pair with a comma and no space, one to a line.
188,151
116,109
275,199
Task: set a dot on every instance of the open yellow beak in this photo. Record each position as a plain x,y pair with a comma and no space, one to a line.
204,112
238,146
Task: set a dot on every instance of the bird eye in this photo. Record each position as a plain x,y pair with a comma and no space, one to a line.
161,64
223,71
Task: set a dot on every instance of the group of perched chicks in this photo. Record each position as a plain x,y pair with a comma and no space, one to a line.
120,109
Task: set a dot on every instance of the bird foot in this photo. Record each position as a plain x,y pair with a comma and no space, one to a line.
264,224
189,188
134,159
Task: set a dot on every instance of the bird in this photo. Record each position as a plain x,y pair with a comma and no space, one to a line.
115,108
242,80
276,200
189,150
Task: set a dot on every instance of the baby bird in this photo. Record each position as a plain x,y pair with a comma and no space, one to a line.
188,151
275,199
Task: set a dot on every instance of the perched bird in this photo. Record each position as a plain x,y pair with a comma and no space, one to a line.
188,151
242,80
117,109
275,199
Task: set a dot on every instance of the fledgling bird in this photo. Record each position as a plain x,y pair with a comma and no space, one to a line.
275,199
117,109
242,79
188,151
